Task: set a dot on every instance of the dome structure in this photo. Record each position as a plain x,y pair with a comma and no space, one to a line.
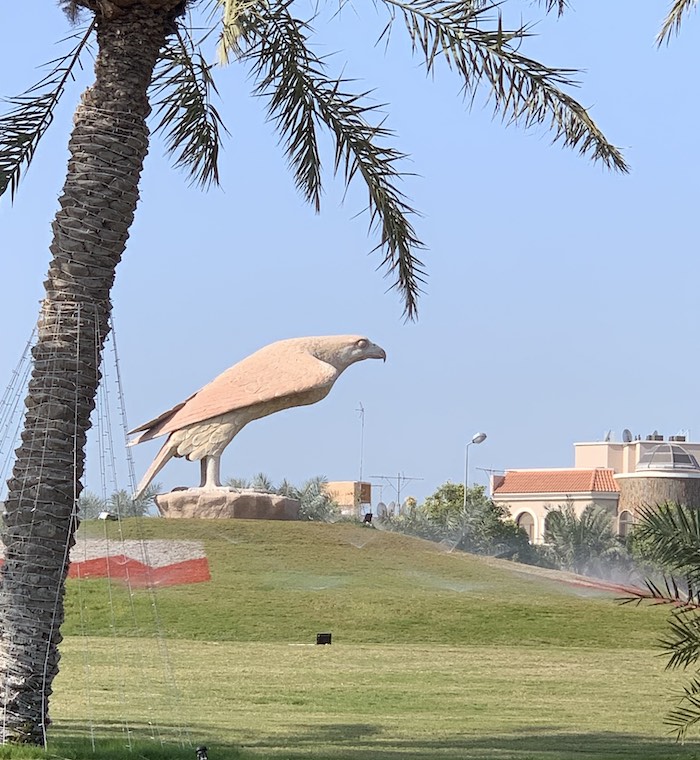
667,457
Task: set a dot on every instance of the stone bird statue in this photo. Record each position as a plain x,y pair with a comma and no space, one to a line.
288,373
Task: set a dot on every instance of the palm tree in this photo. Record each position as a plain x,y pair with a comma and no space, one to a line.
261,482
669,537
147,52
120,503
585,543
239,483
315,503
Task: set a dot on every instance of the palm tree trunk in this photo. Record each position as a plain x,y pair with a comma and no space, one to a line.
107,149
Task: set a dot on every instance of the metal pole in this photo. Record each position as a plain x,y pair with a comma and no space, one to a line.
361,410
466,473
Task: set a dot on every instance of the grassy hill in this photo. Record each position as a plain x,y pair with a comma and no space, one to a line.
286,581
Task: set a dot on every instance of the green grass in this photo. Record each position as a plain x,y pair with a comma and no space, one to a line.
283,582
435,655
361,702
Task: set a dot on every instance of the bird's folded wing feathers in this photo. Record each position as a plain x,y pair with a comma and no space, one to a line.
261,377
152,423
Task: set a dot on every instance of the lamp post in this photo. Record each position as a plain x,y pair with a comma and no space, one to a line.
477,438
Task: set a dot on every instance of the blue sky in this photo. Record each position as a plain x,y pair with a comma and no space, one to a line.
561,300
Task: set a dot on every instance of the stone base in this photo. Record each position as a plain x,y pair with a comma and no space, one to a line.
223,503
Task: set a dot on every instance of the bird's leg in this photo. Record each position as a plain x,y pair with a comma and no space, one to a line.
210,467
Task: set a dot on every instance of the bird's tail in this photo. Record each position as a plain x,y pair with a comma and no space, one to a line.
166,453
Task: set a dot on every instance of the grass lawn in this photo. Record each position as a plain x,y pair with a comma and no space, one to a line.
434,655
359,702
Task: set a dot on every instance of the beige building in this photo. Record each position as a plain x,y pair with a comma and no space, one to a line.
353,496
620,477
530,494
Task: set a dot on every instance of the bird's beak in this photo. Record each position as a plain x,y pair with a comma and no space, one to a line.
376,352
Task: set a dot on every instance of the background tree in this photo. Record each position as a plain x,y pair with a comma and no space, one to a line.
315,503
585,543
480,527
261,482
120,503
145,47
237,483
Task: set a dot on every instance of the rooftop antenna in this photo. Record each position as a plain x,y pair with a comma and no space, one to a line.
361,411
401,480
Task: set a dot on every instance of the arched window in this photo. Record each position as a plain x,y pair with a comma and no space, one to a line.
625,523
527,522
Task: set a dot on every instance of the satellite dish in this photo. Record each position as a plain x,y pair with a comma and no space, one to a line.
626,436
608,436
381,509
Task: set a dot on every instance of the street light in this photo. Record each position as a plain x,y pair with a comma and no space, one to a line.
477,438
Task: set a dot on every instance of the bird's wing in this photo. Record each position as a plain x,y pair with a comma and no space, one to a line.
160,418
264,376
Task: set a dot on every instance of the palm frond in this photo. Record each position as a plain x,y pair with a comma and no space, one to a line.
71,9
522,90
235,17
682,642
189,122
301,97
671,533
550,5
687,713
31,114
674,20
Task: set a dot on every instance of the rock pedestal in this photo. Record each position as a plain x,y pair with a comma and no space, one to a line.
227,503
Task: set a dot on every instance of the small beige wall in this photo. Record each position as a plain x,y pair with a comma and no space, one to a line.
588,456
351,495
621,457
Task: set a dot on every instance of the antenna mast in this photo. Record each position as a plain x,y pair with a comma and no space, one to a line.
401,480
361,411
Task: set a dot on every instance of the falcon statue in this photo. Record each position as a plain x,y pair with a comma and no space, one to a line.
288,373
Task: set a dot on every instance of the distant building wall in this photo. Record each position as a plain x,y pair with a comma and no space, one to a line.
621,457
652,488
537,506
353,496
590,455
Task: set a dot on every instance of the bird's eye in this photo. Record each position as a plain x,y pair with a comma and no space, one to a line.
362,343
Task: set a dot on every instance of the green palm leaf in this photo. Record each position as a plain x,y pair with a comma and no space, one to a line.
687,713
560,5
522,90
31,114
674,20
301,97
191,124
671,534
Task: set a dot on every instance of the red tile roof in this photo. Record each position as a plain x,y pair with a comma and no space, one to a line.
557,481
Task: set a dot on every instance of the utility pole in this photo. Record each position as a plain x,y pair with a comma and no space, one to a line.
361,410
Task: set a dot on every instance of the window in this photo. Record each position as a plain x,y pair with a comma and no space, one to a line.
527,522
625,523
